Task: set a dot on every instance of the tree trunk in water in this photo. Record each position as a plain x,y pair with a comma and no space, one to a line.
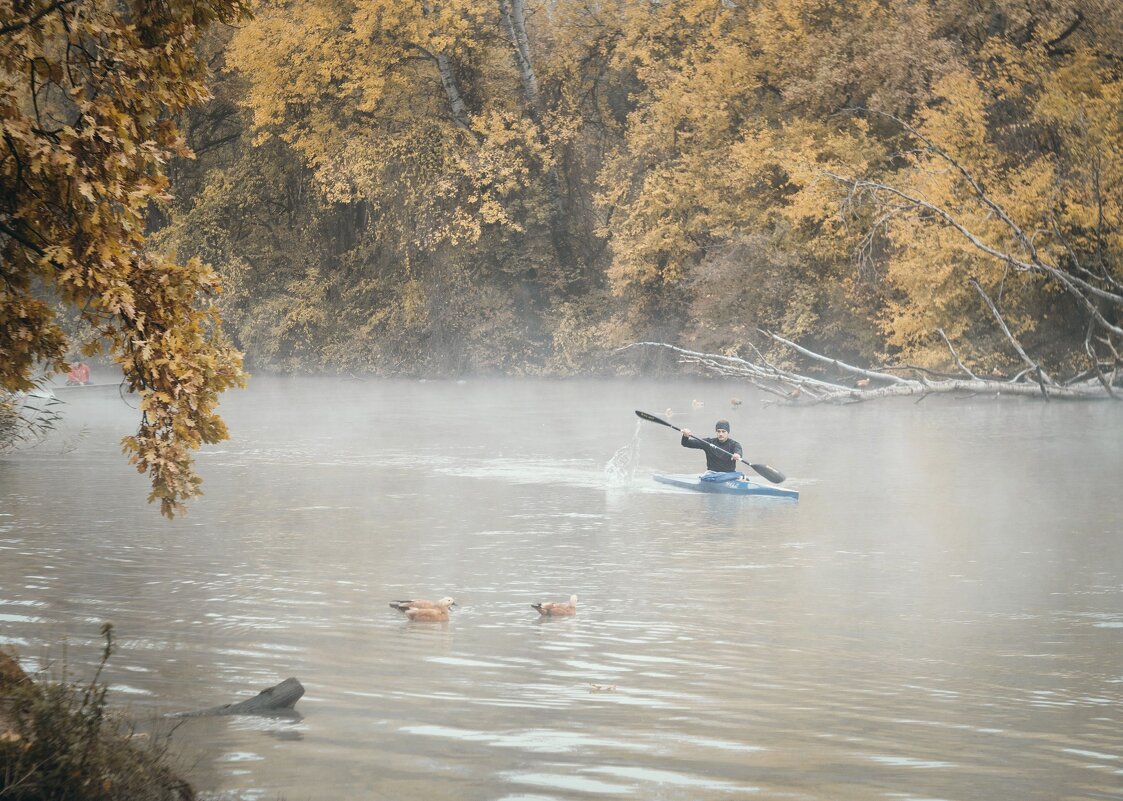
277,700
870,384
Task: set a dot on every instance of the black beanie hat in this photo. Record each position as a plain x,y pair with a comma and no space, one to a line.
721,424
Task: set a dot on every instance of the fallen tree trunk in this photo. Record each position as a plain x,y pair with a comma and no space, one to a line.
871,384
278,700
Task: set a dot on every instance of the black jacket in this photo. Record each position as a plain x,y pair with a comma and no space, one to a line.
715,459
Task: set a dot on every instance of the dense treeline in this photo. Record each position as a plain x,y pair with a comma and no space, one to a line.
512,185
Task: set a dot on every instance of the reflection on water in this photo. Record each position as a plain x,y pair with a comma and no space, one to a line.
939,616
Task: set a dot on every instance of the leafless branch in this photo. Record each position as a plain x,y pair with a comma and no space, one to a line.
1073,284
1094,359
12,27
954,355
1042,377
1053,46
835,362
816,390
16,235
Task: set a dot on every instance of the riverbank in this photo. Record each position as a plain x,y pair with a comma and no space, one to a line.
59,741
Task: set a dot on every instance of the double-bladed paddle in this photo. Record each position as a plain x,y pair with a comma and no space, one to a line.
771,473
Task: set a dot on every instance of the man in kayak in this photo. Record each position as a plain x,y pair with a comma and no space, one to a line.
720,466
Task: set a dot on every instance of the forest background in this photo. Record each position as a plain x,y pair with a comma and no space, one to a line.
421,187
447,187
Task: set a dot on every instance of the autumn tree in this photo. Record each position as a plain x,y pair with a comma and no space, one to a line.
698,187
995,217
875,178
88,93
442,216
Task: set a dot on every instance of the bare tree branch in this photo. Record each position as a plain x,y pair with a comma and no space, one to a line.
954,355
1053,46
1094,359
12,27
834,362
978,190
1042,376
818,390
1071,283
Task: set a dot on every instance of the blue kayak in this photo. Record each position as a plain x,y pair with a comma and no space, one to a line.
739,487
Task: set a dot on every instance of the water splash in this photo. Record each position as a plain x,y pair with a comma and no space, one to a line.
621,468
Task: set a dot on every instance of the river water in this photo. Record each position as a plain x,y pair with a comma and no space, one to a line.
939,616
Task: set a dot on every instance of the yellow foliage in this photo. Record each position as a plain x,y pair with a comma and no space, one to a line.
87,141
790,119
796,164
359,90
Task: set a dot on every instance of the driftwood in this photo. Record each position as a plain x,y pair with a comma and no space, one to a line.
278,700
870,384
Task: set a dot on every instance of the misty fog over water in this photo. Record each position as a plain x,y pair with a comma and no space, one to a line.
939,616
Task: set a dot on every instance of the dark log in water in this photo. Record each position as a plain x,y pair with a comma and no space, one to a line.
278,700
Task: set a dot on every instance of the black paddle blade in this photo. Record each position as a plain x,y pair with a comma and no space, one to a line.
653,419
771,473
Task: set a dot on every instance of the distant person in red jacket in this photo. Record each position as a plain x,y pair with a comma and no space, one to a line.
79,374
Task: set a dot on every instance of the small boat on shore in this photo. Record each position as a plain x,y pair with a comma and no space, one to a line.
741,486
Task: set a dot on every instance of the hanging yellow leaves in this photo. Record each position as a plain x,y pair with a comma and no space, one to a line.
88,91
